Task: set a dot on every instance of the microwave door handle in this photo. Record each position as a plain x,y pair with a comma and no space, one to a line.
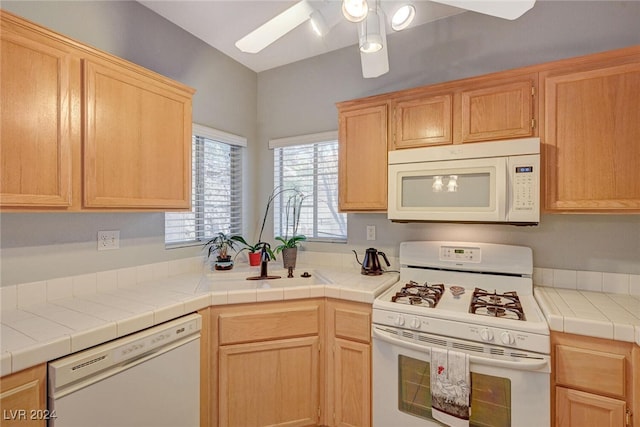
532,365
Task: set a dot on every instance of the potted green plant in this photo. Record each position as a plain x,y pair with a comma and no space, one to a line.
255,250
289,242
220,246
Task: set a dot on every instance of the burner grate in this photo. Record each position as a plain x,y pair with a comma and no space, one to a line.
506,304
426,295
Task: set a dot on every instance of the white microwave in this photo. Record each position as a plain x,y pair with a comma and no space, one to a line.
484,182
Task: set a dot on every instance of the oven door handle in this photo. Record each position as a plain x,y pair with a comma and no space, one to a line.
529,365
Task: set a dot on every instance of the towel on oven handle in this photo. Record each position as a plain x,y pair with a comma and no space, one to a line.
450,387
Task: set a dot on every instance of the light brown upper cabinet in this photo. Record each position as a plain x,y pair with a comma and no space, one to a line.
135,153
492,107
85,130
362,161
35,124
591,111
421,120
497,111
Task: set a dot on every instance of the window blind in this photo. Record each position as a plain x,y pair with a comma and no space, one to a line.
312,168
216,191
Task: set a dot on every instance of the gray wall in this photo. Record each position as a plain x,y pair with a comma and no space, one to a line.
300,98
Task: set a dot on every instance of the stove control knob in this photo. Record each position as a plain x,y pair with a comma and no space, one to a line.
415,323
486,335
399,320
507,338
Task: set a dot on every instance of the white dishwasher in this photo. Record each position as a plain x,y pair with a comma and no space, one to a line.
150,378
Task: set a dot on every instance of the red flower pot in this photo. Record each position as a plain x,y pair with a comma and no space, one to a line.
254,258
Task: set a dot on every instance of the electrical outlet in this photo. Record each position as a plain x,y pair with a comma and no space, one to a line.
108,240
371,232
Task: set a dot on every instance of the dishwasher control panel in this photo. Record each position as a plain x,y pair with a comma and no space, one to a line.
122,351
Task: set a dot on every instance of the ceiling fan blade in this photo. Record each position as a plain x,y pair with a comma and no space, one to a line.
275,28
506,9
375,64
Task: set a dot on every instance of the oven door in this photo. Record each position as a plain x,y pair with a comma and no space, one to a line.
503,393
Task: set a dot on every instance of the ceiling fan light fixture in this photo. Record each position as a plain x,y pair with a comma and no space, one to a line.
403,17
355,10
318,24
370,36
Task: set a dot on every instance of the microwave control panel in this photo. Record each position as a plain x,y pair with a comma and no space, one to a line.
523,188
524,178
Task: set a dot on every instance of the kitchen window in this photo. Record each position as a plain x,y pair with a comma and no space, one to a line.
216,204
309,163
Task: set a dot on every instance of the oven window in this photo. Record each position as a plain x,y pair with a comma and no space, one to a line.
490,396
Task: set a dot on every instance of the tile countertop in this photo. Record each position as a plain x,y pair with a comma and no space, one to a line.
598,314
46,320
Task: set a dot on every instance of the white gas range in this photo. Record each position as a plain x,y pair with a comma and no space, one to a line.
471,298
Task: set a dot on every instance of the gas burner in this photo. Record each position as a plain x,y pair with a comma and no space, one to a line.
426,295
506,305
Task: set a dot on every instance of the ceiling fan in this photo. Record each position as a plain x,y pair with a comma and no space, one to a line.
371,20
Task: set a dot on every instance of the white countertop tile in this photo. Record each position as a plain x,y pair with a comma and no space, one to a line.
599,314
42,321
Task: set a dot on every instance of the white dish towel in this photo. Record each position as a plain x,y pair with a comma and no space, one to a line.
450,387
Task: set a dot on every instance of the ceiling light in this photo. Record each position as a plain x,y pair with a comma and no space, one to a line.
355,10
369,33
318,24
403,17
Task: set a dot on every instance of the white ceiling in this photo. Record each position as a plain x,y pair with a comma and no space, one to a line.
220,23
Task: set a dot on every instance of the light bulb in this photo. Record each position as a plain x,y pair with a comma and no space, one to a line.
403,17
355,10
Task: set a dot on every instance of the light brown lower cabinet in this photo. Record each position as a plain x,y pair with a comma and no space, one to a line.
23,398
595,382
348,363
287,363
577,408
266,364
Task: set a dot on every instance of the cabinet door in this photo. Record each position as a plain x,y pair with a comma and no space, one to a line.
422,121
498,112
137,140
35,127
351,376
23,398
591,137
349,363
362,162
579,409
270,383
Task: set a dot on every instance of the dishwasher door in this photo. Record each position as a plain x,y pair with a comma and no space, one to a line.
151,378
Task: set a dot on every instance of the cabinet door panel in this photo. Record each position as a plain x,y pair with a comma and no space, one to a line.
579,409
498,112
137,141
352,381
35,124
20,394
362,162
422,122
587,369
270,383
591,137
